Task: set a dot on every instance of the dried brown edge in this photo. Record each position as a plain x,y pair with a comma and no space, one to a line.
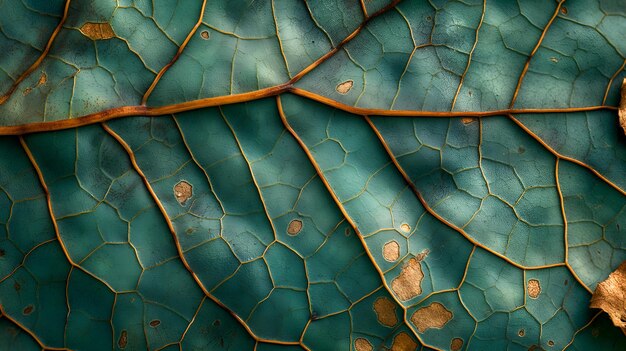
39,60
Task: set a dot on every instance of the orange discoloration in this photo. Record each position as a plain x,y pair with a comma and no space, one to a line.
434,315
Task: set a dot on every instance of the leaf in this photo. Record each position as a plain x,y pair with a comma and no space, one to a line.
318,175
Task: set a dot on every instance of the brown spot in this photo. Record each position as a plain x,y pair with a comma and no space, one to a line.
610,296
535,348
28,310
361,344
385,311
391,251
434,315
43,78
17,286
403,342
216,323
456,344
564,10
521,333
27,91
344,88
183,191
534,288
123,339
155,323
408,284
550,343
2,252
405,227
204,34
622,106
347,232
295,226
468,120
97,31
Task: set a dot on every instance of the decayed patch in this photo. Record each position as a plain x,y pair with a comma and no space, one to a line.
294,227
456,344
361,344
405,227
403,342
622,106
205,35
467,120
123,341
408,284
345,87
391,251
534,288
434,315
97,31
610,296
183,191
385,311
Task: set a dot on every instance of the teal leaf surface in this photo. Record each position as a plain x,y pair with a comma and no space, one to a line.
281,175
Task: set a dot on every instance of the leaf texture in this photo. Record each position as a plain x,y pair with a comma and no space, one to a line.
283,175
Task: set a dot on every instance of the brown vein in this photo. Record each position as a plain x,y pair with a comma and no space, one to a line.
44,186
27,331
439,217
532,53
563,157
182,46
140,110
41,57
608,86
345,214
254,181
133,160
469,59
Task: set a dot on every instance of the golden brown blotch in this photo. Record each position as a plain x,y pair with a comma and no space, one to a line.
295,226
345,87
564,10
467,120
123,341
622,106
408,284
405,227
456,344
347,232
403,342
391,251
434,315
521,332
97,31
205,34
43,78
385,311
610,296
550,343
28,310
534,288
183,191
155,323
362,344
